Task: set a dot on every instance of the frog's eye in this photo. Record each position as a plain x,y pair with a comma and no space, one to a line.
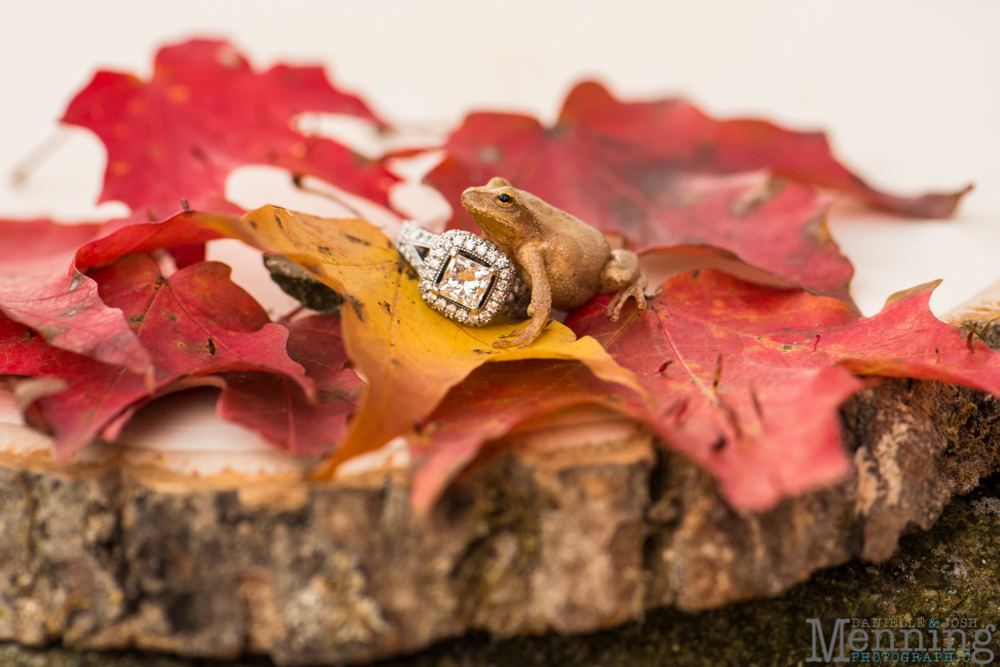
504,198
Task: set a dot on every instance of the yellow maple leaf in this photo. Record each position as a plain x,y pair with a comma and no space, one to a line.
409,355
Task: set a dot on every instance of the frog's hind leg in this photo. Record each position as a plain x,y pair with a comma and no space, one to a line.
541,300
623,275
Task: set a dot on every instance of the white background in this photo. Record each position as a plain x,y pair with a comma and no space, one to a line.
907,90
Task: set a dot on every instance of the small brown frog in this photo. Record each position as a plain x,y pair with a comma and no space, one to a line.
564,260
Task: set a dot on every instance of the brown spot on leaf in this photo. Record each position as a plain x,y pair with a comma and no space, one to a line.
357,306
354,239
756,196
51,331
816,229
705,152
490,154
428,429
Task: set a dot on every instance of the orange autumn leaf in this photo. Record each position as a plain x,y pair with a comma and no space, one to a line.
409,355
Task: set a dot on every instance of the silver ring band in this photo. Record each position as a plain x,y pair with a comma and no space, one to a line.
414,243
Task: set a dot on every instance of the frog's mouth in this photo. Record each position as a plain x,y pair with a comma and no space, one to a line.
498,229
487,220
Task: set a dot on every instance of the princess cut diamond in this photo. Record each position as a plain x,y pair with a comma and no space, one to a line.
465,281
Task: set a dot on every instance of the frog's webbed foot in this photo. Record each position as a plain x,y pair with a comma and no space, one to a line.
519,338
623,275
614,309
510,340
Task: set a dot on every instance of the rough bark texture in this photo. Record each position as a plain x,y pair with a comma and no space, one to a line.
947,572
571,540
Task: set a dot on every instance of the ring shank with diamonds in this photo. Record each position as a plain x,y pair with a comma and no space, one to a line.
463,276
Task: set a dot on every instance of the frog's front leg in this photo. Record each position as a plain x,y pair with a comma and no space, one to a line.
622,275
533,261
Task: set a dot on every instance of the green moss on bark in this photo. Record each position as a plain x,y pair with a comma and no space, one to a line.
949,571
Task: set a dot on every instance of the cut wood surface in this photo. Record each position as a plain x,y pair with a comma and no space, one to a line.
571,525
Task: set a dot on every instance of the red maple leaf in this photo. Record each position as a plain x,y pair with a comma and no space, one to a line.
491,401
41,284
664,174
747,379
189,229
196,323
176,136
41,287
206,112
275,405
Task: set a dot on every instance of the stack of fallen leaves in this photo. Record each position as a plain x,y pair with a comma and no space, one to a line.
744,379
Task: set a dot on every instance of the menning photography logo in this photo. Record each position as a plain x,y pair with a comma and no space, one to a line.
897,640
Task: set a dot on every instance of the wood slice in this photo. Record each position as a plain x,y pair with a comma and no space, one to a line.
573,523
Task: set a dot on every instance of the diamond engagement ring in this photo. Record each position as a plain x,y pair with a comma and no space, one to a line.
463,276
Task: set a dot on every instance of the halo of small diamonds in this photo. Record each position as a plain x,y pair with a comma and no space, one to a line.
466,278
